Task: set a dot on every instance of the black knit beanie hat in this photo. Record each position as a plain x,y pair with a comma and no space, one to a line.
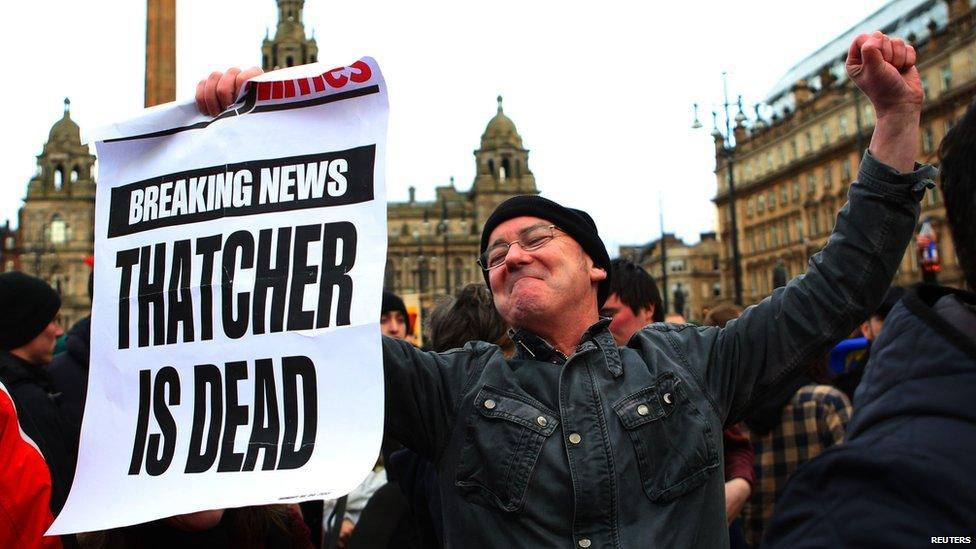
27,306
392,302
577,223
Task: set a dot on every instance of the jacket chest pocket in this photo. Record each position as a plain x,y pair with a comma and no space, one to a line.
674,444
502,442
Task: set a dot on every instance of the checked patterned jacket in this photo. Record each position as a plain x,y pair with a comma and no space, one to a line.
813,420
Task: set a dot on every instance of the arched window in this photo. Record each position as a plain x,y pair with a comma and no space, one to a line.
491,166
58,177
74,174
289,61
506,169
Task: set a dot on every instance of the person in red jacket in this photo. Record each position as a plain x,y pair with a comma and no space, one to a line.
25,485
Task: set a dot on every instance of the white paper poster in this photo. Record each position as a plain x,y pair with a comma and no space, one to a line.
235,353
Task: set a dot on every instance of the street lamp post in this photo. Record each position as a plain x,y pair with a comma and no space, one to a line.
727,152
442,229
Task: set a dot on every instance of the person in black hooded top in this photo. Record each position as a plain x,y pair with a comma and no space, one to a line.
29,327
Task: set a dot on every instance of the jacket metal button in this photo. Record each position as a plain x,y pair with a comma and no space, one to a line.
584,542
667,398
542,421
574,438
490,404
643,410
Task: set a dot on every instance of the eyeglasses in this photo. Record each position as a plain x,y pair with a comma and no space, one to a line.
530,239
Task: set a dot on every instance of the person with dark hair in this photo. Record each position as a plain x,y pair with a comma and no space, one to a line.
576,441
634,300
905,473
468,316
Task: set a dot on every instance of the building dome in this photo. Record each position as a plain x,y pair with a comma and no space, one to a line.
65,130
500,131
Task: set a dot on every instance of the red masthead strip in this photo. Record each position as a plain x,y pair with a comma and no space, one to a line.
334,79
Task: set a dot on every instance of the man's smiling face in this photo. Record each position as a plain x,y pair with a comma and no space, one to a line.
533,287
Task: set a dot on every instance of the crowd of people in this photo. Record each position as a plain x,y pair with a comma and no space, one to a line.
554,405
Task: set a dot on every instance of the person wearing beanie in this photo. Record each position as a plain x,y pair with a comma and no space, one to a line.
576,442
394,320
29,328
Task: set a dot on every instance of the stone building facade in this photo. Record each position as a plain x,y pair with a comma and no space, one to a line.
55,234
692,272
792,168
433,246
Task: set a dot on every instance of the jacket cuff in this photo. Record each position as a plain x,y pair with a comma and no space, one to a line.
889,182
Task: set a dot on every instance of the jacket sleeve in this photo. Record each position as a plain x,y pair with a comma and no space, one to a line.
773,341
738,455
423,390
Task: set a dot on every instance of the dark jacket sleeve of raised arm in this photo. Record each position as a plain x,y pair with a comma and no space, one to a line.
422,392
775,340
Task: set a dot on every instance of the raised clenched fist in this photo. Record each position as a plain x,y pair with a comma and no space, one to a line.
884,69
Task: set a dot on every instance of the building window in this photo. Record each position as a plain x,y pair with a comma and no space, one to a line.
842,122
676,265
799,228
716,290
825,133
928,140
772,200
59,230
774,234
814,223
748,170
793,148
749,207
845,171
769,162
784,195
809,136
9,243
796,190
828,177
761,204
811,184
945,76
782,156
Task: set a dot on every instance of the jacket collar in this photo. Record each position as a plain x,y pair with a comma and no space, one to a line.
530,346
14,370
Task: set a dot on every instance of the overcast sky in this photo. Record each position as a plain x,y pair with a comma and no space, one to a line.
602,93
